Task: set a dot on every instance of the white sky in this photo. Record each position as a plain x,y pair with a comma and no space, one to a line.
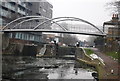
93,11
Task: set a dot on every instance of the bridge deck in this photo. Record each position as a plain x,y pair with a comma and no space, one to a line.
53,31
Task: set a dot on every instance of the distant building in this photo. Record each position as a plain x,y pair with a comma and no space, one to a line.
15,9
50,38
112,29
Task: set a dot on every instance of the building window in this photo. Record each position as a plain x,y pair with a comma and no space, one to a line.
17,35
27,36
4,13
22,4
31,37
21,10
10,6
23,36
20,35
10,35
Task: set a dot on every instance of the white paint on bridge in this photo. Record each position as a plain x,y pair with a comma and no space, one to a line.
54,31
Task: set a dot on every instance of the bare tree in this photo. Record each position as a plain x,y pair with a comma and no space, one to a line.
114,6
69,39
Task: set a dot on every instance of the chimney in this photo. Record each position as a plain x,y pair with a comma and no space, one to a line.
115,18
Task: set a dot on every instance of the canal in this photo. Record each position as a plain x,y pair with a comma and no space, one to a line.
33,68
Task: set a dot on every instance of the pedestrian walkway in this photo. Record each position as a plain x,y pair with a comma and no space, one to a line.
111,66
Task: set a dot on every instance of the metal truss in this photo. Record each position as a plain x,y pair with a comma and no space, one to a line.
25,19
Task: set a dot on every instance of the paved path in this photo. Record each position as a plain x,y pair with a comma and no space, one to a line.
110,64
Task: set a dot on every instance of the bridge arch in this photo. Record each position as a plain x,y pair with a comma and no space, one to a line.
29,18
53,20
70,18
17,20
38,19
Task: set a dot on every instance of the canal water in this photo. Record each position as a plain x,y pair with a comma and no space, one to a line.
33,68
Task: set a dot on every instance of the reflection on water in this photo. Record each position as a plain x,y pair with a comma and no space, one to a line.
42,68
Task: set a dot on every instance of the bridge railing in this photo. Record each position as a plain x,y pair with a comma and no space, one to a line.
43,24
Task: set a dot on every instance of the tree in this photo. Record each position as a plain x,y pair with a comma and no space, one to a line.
117,5
99,41
69,39
114,6
90,40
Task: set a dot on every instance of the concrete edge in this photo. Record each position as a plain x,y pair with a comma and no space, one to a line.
86,54
92,58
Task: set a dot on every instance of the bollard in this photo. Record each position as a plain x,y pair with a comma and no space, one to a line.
112,71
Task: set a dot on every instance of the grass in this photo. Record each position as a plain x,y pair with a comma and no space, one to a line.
89,51
113,54
99,68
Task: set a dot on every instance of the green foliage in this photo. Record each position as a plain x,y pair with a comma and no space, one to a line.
99,41
113,54
89,51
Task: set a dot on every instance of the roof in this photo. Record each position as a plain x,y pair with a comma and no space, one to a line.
111,23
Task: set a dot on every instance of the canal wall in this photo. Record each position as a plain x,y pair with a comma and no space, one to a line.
21,50
82,58
29,51
53,51
50,51
87,61
19,47
5,40
66,51
79,53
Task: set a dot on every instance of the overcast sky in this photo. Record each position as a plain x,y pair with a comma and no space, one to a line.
93,11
